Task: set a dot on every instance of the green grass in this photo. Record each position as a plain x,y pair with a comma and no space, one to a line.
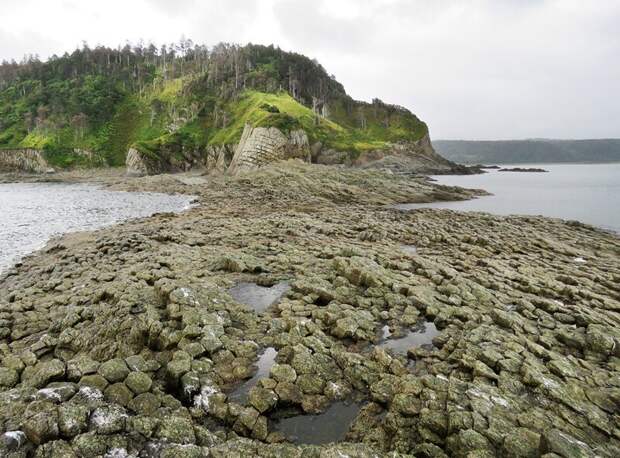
256,108
36,140
252,108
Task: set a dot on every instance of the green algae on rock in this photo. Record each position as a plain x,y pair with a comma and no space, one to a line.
139,349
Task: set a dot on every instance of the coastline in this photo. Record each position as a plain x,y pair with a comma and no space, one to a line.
97,205
523,306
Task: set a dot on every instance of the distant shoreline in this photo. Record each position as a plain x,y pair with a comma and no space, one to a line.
538,163
531,151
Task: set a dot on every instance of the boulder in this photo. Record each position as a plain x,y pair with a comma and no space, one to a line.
41,374
42,426
138,382
72,419
262,399
108,419
114,370
177,430
8,377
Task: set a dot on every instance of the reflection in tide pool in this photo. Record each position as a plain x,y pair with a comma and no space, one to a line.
324,428
423,334
258,297
409,249
265,361
32,213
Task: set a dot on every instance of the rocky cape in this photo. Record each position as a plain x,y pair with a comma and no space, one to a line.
158,112
260,146
128,341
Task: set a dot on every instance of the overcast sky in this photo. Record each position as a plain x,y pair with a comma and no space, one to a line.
472,69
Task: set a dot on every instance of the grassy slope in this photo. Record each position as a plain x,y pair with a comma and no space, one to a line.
249,108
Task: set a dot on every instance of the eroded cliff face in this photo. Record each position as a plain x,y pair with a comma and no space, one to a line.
218,158
215,159
260,146
136,163
415,157
263,145
23,160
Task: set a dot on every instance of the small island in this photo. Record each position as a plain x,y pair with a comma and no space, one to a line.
523,169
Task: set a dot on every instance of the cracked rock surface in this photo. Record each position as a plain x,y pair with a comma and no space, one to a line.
125,342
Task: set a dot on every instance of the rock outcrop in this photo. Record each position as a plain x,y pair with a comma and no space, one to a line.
218,158
263,145
215,159
404,157
136,163
260,146
413,157
23,160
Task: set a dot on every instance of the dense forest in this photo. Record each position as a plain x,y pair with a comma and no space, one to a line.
529,151
88,107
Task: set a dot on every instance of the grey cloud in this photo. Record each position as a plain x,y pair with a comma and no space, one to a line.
475,69
17,45
176,7
304,25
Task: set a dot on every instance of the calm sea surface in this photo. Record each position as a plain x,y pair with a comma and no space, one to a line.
585,192
32,213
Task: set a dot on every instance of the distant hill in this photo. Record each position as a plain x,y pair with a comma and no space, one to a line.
529,151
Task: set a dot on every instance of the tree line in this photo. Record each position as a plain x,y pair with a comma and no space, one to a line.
226,66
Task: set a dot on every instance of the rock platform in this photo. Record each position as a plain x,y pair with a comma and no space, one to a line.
124,342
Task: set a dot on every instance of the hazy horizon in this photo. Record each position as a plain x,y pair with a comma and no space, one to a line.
493,70
524,139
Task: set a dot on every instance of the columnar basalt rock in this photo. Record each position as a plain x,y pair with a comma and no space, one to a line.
23,160
215,159
260,146
218,158
136,163
127,341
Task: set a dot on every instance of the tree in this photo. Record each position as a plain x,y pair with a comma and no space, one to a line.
79,123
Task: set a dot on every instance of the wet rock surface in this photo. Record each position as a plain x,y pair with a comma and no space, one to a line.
126,341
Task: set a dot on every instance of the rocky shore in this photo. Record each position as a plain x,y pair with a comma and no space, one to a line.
135,341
